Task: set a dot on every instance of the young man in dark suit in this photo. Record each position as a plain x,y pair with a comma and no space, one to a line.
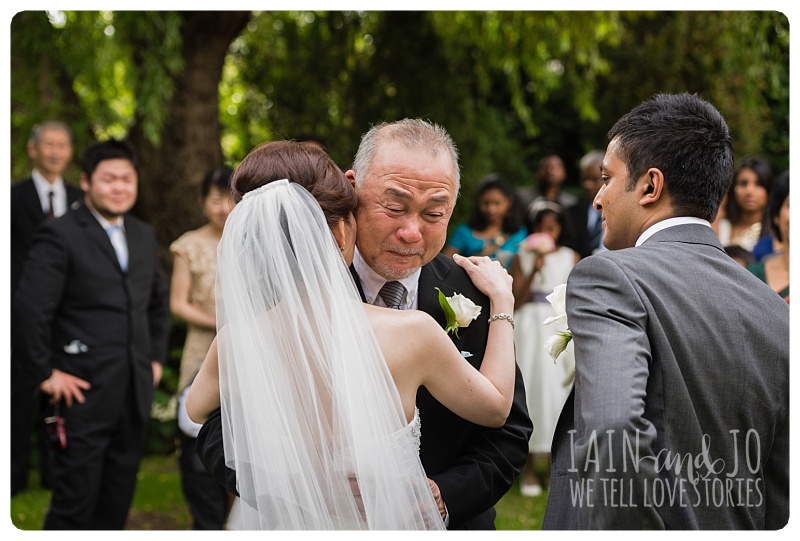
93,309
407,178
42,196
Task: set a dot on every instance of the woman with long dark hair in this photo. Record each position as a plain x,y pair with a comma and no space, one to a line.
494,229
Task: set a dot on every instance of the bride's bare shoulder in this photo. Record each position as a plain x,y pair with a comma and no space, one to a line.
410,322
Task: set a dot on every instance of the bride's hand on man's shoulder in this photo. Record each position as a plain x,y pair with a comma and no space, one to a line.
488,275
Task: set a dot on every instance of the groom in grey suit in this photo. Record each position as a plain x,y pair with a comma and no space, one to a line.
679,415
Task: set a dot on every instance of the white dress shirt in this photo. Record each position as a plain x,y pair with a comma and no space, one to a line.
118,240
669,222
43,188
372,282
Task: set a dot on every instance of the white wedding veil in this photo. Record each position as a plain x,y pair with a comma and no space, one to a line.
312,421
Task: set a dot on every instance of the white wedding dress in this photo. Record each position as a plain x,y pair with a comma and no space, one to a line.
312,421
235,519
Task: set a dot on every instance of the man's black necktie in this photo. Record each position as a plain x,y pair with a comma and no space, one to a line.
50,213
392,294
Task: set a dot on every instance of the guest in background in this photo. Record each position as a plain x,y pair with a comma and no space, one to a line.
192,300
550,177
720,217
495,229
43,196
765,246
740,255
584,219
774,270
537,270
746,219
93,307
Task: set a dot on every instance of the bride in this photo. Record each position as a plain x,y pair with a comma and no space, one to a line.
317,389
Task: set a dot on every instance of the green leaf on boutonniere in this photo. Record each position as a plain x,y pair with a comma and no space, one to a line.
449,314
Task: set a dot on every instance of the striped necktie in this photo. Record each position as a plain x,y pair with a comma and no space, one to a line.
392,294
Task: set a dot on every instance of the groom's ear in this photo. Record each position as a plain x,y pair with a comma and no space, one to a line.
651,185
351,176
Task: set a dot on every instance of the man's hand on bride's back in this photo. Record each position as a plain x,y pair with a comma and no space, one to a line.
489,276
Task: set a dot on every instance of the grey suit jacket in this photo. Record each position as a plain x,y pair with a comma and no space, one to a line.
679,415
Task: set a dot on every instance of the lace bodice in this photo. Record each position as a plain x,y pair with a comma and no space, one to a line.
416,429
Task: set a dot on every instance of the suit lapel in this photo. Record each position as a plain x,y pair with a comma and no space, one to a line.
96,234
32,204
433,276
73,196
137,247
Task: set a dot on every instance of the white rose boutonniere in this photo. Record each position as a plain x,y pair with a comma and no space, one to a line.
458,310
557,343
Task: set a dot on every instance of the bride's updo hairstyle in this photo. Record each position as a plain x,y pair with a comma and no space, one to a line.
304,164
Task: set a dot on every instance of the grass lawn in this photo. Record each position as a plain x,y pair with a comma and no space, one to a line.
159,504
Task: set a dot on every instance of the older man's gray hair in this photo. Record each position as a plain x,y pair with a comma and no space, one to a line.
414,133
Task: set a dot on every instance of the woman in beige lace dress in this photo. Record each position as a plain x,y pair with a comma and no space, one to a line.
192,300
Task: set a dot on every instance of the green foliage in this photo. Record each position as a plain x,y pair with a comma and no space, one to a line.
158,503
517,512
102,74
531,55
151,42
29,506
510,86
736,59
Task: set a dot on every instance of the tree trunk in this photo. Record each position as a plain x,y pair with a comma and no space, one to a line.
170,174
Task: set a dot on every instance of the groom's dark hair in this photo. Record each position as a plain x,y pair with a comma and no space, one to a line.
687,139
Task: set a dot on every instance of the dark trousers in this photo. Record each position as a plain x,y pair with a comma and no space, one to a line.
95,476
207,499
27,425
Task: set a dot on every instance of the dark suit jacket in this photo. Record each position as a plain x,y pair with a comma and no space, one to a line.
81,314
682,355
26,215
578,215
472,465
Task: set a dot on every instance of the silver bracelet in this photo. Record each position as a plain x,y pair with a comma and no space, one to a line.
502,315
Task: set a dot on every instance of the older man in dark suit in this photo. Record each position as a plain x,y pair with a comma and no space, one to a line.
679,415
93,309
584,219
42,196
407,178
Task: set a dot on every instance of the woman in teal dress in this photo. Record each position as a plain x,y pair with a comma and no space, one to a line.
774,269
495,228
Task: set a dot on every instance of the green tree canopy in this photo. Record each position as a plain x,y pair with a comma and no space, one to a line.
195,89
